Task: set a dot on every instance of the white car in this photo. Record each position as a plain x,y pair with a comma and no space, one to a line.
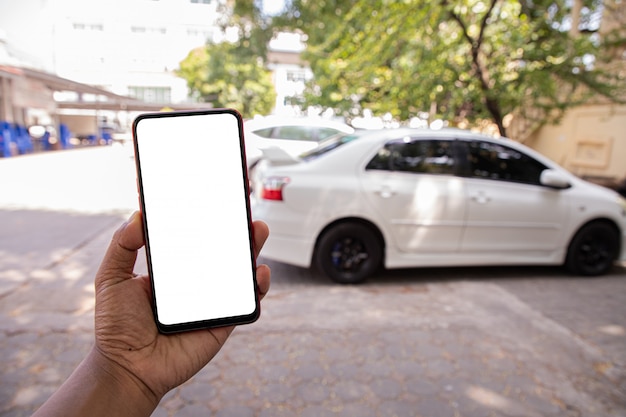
294,135
416,197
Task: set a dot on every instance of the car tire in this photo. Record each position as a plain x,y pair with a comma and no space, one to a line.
348,253
593,249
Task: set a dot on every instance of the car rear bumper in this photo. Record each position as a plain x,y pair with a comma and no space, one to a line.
288,241
288,249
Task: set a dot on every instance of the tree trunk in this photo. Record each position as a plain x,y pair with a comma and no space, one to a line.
575,16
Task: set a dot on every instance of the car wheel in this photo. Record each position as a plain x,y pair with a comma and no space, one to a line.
349,252
593,250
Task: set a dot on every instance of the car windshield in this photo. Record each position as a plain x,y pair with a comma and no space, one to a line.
328,145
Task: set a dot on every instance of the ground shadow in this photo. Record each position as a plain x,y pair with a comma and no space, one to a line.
284,274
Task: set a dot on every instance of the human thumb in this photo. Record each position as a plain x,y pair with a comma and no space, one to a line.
119,260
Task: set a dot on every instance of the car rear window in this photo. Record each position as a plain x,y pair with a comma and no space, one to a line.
327,146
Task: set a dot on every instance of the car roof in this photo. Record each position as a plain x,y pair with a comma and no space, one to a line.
448,133
445,133
369,139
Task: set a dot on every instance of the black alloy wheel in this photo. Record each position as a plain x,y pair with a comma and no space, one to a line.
348,253
593,249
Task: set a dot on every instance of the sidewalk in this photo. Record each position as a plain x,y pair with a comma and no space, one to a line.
84,180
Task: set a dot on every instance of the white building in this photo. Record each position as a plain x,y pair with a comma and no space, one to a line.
129,47
290,74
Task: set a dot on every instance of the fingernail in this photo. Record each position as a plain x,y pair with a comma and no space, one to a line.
133,217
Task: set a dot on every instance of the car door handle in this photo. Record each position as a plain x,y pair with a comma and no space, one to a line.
386,192
481,198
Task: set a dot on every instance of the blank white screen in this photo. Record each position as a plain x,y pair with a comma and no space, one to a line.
196,216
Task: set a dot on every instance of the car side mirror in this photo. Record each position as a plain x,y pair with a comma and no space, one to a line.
554,179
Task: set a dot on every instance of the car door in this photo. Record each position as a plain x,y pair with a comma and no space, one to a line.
508,210
410,184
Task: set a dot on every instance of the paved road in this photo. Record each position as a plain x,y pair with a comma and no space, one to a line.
418,342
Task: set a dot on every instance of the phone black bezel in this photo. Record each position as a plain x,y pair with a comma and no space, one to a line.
215,322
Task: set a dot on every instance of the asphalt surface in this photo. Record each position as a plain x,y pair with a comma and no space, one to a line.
418,342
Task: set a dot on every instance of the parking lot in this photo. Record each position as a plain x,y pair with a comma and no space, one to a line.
529,341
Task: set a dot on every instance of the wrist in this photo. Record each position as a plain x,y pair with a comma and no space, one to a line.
99,387
130,394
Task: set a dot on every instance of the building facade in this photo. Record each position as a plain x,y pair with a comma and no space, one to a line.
589,140
129,47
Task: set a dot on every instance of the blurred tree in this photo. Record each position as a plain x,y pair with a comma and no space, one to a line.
463,60
232,73
217,74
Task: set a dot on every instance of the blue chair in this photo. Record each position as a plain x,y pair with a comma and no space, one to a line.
64,136
5,139
23,139
45,141
108,138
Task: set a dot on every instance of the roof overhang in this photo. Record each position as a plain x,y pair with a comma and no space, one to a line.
102,99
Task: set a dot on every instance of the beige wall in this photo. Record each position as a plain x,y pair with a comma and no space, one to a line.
80,125
590,141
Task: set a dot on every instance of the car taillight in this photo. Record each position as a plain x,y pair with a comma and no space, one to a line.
273,188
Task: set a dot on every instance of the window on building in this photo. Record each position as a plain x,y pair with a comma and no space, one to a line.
149,30
296,76
199,33
91,27
151,94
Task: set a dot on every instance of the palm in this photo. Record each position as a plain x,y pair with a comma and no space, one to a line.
126,332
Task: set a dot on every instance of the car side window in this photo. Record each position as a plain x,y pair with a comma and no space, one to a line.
326,132
264,133
288,132
416,156
295,133
497,162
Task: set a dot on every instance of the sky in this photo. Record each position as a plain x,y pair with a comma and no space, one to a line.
272,7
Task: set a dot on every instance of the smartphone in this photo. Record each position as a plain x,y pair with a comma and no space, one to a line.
193,192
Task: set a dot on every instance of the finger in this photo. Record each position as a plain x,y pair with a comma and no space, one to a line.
131,233
263,274
119,260
260,232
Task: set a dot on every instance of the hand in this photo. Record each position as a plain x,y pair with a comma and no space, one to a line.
127,339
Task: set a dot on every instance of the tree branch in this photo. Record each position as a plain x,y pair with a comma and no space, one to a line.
483,24
491,103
